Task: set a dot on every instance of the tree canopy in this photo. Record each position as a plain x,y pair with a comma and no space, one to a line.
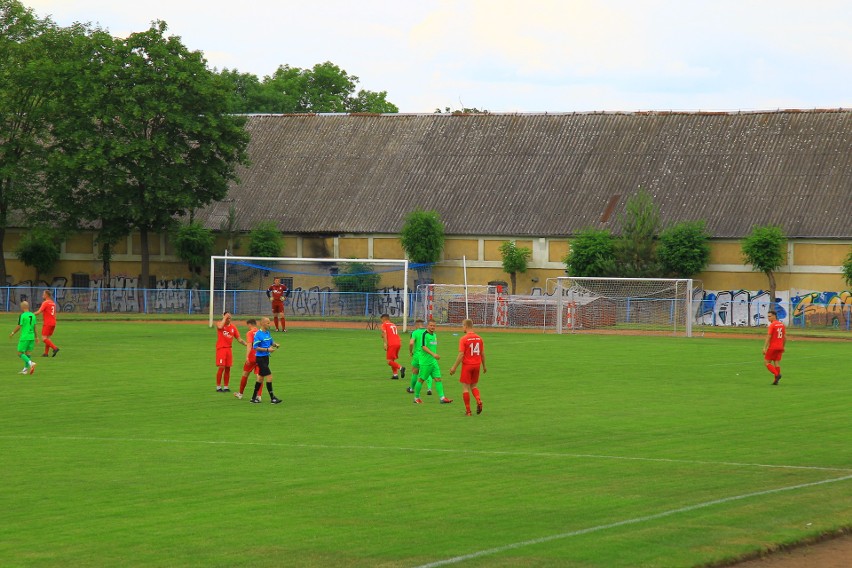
684,249
515,260
323,88
765,249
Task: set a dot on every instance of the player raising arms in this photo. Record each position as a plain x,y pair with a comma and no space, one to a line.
392,343
226,333
276,294
48,308
773,347
471,356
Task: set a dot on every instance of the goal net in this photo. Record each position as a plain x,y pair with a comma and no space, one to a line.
656,305
452,303
331,289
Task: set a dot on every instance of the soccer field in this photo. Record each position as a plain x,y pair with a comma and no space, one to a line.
592,451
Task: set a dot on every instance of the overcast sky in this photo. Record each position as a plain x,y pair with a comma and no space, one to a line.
523,56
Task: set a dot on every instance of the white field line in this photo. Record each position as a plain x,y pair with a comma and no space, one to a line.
424,450
499,549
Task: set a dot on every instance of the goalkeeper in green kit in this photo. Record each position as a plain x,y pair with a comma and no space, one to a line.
416,341
428,364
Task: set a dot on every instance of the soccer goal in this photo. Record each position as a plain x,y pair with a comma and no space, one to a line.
331,289
654,305
450,304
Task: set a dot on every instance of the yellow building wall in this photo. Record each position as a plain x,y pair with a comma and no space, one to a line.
459,249
492,247
557,251
726,253
353,247
810,254
387,248
80,244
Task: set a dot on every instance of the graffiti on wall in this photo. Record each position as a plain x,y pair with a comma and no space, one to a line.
120,294
325,301
741,308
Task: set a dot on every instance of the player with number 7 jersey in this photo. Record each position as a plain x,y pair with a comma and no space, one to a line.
472,357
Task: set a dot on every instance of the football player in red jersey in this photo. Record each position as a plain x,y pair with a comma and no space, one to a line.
471,356
48,308
226,333
392,343
773,347
276,294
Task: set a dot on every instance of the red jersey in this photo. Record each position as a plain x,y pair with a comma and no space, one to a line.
48,309
252,354
391,334
777,333
277,292
226,336
471,345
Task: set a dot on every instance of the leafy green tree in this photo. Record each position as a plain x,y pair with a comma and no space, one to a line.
592,253
143,134
764,249
515,260
265,240
357,277
636,248
323,88
194,244
25,56
847,269
39,248
684,249
422,239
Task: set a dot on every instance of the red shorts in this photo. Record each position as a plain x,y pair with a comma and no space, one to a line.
47,330
250,366
224,357
277,306
773,355
469,374
393,352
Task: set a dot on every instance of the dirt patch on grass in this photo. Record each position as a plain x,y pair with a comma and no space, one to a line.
833,551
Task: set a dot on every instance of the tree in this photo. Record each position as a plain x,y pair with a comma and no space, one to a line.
515,260
24,56
422,239
684,249
764,249
143,134
636,248
847,269
357,277
39,248
323,88
265,240
194,244
592,254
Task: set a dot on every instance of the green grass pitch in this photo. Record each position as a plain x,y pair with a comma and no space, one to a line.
592,451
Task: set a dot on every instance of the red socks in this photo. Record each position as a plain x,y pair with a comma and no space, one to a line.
466,398
476,394
773,369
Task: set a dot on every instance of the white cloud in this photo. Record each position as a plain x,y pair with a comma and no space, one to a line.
512,55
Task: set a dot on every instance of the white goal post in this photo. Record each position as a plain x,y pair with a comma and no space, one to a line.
450,304
330,289
661,305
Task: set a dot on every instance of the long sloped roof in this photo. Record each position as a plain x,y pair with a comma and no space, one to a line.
546,175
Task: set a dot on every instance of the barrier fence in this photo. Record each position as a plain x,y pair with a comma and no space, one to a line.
324,303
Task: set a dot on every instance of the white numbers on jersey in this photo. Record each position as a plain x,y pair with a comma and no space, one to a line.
474,348
780,333
393,329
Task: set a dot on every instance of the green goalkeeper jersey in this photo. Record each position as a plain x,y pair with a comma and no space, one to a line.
417,337
27,321
429,340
